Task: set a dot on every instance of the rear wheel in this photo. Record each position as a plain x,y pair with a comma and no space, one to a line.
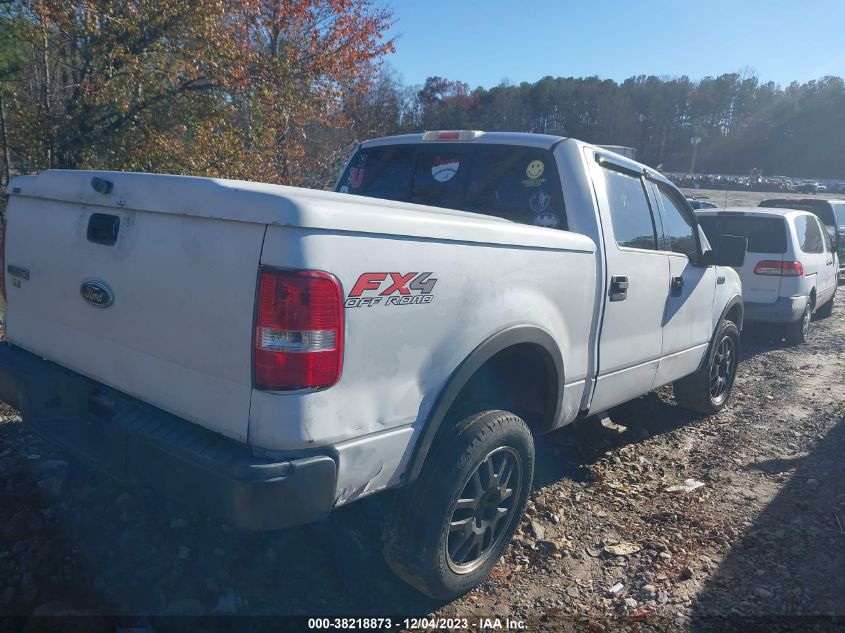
799,331
708,389
449,528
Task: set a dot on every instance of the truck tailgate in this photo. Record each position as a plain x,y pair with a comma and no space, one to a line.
179,329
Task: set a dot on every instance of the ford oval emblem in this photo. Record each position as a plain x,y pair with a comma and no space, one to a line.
97,293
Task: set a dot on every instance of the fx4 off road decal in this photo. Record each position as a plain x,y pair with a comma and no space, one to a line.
391,289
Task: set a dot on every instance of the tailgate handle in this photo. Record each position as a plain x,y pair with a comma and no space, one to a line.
103,228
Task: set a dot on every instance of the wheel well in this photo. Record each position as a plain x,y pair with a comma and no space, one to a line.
813,299
735,315
521,379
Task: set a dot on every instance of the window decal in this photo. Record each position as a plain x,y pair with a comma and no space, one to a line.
547,220
535,169
444,168
539,202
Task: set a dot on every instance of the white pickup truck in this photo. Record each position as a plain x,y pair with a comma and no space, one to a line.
272,353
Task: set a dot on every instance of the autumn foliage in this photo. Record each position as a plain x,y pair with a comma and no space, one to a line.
230,88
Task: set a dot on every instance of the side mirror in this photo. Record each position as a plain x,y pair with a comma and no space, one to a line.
730,251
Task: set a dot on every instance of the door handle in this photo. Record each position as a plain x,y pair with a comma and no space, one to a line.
618,288
677,286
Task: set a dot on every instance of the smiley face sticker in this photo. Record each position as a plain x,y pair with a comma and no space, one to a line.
535,169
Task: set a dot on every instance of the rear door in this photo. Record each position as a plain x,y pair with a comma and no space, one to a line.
687,320
637,285
810,242
767,241
828,273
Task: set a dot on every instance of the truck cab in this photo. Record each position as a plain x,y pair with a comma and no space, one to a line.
657,286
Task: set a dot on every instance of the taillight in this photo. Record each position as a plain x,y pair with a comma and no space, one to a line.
298,330
779,268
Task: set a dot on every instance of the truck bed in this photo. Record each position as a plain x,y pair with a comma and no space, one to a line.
181,271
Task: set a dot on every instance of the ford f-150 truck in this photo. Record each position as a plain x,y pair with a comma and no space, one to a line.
273,353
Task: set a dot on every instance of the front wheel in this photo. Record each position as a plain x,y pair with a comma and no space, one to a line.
449,528
708,389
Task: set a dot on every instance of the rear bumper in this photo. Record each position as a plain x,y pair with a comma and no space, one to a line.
146,447
784,310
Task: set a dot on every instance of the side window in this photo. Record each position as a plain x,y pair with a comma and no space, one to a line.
630,214
809,235
828,240
679,231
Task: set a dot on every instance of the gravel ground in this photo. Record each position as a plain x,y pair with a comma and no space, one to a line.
611,540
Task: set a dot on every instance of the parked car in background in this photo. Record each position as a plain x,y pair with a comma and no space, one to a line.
830,212
790,268
808,187
697,203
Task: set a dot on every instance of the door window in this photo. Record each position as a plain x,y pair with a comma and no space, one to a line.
828,242
810,237
677,227
630,213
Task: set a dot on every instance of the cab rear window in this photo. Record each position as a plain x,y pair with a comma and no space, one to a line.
512,182
765,235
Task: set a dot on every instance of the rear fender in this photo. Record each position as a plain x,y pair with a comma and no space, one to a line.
508,337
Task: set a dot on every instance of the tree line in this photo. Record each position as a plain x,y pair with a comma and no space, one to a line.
739,122
283,90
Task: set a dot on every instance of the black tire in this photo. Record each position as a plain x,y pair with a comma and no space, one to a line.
826,310
426,532
709,389
798,332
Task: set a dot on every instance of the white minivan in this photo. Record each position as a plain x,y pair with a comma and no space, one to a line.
790,269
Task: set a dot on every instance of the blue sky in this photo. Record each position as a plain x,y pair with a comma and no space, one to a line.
482,42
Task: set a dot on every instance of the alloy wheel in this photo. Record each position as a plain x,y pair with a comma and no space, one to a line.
484,510
722,370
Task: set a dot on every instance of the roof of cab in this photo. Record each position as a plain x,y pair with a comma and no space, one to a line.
545,141
527,139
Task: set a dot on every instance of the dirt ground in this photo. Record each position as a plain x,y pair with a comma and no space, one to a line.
611,541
